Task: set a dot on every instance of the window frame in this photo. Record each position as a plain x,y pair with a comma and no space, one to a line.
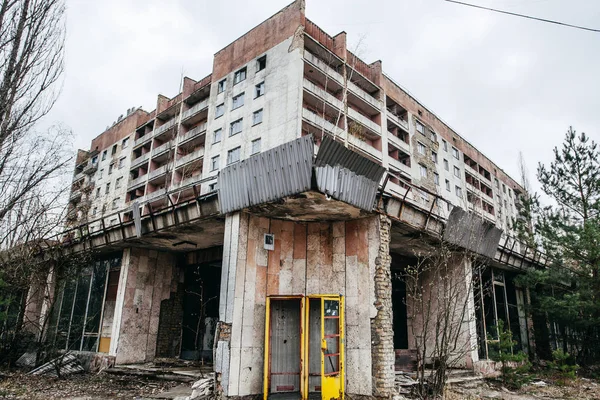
231,151
254,114
252,151
234,123
260,85
237,97
215,163
222,85
262,59
239,72
222,105
220,131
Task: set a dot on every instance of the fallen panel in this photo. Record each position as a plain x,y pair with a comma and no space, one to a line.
472,232
346,175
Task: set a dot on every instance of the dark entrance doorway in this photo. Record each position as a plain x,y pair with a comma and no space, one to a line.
200,310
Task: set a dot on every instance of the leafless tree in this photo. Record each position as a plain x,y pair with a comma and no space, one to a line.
31,62
440,306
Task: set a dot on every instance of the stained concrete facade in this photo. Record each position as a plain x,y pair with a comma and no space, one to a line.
173,158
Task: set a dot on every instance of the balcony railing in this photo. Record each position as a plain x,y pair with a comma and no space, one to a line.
194,110
90,168
192,133
165,127
140,160
190,157
157,172
140,180
154,195
364,121
399,166
163,148
323,94
398,121
142,140
336,76
364,146
399,143
321,122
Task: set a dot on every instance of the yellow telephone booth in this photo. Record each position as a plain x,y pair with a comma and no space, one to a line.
304,347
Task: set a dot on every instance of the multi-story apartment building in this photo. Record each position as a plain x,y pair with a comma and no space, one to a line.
155,192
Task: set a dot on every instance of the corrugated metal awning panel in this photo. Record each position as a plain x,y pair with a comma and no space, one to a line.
472,232
347,176
282,171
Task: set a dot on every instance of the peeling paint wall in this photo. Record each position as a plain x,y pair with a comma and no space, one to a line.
308,258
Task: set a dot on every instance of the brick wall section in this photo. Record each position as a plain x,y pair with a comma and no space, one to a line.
382,330
168,343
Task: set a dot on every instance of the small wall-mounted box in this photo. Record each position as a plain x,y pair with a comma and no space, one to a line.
269,242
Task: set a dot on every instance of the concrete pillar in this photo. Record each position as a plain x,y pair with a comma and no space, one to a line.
382,328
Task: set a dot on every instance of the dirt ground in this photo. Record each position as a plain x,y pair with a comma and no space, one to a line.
578,389
81,386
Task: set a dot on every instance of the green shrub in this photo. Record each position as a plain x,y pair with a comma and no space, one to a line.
564,364
502,350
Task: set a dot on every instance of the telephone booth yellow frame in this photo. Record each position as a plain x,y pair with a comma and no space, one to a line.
332,384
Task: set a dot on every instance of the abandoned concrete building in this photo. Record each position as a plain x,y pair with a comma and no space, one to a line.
255,221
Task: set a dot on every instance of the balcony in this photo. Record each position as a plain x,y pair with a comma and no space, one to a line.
336,76
137,182
194,110
142,140
399,143
196,155
140,160
319,122
162,149
364,147
75,195
157,173
364,121
165,127
398,121
193,133
188,181
90,168
323,94
366,97
78,177
399,166
155,195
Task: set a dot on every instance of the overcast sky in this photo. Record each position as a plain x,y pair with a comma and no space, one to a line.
506,84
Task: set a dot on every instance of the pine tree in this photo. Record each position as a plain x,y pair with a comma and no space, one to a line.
568,230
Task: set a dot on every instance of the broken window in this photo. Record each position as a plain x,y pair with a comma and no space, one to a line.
445,145
261,63
115,203
233,155
257,117
121,162
237,101
107,188
259,90
221,86
104,155
421,148
436,178
118,182
457,172
219,110
124,143
434,157
447,185
239,76
110,168
114,150
235,127
458,191
498,299
80,321
97,192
